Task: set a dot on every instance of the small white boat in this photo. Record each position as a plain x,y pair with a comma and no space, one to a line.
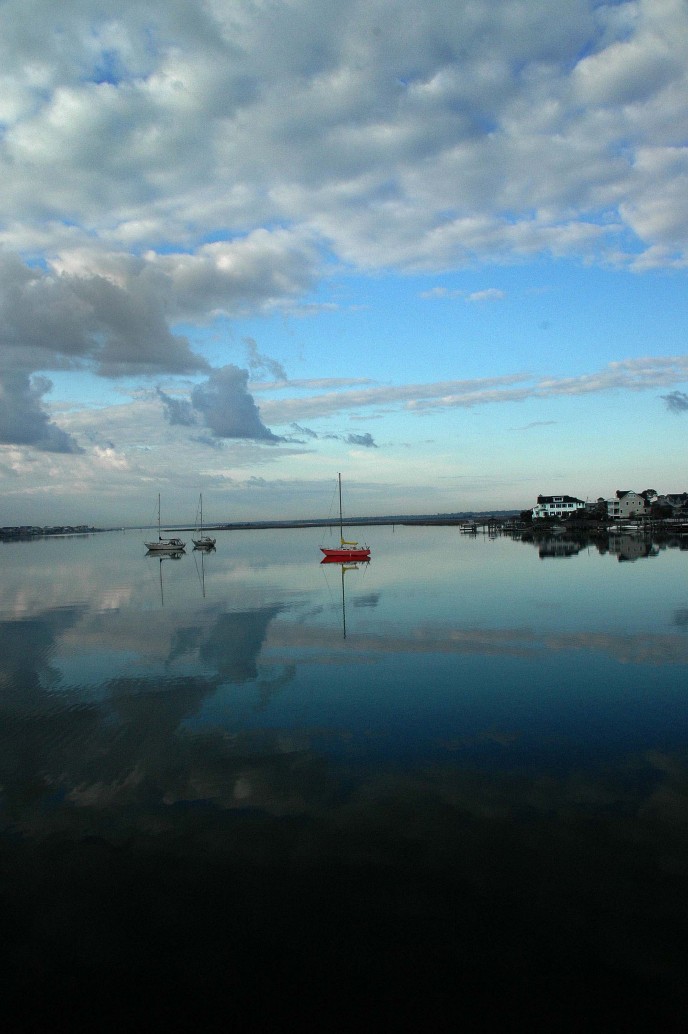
171,545
203,541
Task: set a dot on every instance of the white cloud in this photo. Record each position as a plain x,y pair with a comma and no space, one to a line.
642,374
400,134
109,459
490,294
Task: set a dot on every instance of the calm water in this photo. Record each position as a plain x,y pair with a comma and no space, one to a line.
246,788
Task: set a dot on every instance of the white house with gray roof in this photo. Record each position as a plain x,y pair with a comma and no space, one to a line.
627,504
556,506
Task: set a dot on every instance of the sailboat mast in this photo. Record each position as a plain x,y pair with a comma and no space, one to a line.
159,528
341,522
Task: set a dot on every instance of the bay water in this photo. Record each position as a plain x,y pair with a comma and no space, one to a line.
246,787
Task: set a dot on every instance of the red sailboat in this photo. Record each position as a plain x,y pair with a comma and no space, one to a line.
345,550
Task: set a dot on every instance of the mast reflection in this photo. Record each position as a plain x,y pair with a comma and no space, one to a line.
172,555
344,565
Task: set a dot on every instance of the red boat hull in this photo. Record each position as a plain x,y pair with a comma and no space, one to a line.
346,554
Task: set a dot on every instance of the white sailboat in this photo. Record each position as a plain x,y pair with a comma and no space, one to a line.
170,545
203,541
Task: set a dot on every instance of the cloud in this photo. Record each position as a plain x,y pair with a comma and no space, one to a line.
127,329
629,374
517,133
23,420
641,374
227,408
306,432
441,292
177,411
108,459
366,440
61,321
64,321
676,401
261,270
534,423
256,361
491,294
188,163
314,383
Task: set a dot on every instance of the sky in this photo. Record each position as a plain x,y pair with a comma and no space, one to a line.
245,245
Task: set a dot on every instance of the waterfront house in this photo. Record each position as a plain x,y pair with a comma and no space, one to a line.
627,504
676,500
556,506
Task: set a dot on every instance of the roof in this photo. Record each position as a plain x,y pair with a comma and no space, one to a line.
559,499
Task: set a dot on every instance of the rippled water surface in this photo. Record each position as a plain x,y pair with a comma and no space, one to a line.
246,786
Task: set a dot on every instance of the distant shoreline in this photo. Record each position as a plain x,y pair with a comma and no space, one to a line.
499,519
26,531
362,522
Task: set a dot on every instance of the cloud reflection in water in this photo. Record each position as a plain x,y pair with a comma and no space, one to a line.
240,803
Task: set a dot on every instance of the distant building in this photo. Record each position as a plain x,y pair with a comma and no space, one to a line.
628,504
556,506
676,500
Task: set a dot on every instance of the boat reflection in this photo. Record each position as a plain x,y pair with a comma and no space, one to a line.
201,551
344,565
167,555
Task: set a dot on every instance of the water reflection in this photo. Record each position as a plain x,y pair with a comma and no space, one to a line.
202,551
294,799
564,542
345,566
161,557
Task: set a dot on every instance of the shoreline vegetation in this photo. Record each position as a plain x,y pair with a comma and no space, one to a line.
496,522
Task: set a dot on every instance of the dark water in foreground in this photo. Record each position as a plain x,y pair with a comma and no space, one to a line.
446,790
